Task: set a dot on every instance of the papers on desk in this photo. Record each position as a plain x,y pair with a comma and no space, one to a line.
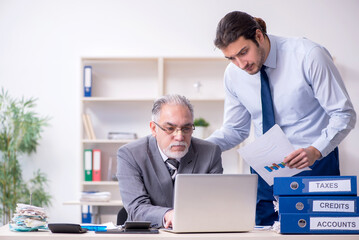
266,154
28,218
95,196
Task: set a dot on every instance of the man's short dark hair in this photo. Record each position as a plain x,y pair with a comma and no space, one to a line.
236,24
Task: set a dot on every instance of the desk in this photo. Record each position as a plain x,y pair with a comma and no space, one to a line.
6,234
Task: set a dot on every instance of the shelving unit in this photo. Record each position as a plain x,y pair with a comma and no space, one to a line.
110,203
123,91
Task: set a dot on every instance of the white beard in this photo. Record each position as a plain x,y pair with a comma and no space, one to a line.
177,154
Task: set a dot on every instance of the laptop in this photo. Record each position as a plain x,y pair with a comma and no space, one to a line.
214,203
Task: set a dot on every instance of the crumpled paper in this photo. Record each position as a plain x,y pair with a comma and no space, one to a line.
28,218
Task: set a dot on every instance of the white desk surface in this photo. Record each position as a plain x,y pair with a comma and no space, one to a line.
6,234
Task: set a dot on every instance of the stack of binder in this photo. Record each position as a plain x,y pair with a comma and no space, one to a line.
326,204
92,164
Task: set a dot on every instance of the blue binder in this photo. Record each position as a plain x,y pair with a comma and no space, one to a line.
319,204
319,223
86,214
315,185
87,81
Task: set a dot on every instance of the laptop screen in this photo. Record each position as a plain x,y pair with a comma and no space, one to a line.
215,202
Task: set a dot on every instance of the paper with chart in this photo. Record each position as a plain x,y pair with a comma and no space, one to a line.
266,154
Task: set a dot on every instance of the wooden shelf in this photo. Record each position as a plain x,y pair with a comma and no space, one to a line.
206,99
103,99
109,203
100,183
112,99
106,141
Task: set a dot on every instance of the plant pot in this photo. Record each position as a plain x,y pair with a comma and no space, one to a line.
199,132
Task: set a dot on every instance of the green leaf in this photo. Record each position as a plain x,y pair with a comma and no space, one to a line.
200,122
20,132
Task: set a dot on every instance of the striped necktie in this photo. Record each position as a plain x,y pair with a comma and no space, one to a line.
172,165
267,104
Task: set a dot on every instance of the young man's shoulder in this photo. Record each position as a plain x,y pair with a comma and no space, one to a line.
294,43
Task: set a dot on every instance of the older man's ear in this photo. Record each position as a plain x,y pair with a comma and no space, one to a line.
153,128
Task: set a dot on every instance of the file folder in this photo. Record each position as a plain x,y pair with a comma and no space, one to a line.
87,81
88,164
315,185
94,227
319,204
90,126
96,171
86,214
86,126
326,223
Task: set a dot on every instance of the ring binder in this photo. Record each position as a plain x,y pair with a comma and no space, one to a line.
87,81
319,204
315,185
319,223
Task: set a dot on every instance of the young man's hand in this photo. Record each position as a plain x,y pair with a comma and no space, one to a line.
302,157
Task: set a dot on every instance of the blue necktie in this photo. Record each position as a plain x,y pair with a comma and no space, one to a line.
267,104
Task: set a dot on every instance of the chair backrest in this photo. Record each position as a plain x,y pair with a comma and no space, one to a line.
121,216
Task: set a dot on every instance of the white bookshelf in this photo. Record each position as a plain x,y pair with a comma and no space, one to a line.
113,203
100,183
106,141
123,91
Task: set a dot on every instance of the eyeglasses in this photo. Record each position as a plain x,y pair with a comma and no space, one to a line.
174,129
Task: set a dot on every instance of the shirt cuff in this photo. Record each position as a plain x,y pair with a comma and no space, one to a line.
324,147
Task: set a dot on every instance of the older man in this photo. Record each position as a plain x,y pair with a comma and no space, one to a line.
146,168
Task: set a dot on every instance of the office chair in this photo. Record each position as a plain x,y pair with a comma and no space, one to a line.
121,216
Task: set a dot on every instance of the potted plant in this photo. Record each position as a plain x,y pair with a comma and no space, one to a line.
200,126
20,129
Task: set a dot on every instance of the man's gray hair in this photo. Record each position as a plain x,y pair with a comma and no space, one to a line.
174,99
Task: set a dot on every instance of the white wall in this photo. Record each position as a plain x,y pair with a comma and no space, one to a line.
41,42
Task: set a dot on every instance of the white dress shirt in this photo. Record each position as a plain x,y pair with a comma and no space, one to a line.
164,157
310,101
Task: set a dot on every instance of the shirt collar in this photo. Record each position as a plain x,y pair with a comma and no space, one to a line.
271,60
164,157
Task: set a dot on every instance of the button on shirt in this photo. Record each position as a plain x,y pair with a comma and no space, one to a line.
310,102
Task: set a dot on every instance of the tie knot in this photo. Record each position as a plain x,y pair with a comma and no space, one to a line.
173,162
172,165
263,68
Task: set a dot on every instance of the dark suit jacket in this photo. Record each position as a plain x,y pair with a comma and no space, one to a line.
145,184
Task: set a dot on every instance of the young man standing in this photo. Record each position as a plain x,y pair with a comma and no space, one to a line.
292,82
